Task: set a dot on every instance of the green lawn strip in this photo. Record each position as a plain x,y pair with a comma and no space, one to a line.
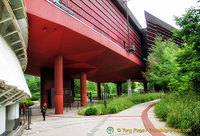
180,111
118,104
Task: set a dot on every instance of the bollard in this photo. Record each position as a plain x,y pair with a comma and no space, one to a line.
90,97
30,114
29,118
24,116
26,113
78,105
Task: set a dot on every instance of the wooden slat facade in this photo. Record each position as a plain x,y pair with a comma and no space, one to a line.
156,27
104,17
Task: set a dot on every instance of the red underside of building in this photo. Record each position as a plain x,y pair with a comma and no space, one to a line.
61,48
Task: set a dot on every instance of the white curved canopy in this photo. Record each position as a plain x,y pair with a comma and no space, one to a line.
13,54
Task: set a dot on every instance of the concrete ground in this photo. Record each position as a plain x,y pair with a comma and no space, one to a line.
127,122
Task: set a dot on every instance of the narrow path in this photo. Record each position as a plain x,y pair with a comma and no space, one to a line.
132,121
148,124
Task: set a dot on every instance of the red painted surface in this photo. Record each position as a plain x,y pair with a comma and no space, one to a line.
99,91
105,18
53,32
47,82
83,89
147,123
58,79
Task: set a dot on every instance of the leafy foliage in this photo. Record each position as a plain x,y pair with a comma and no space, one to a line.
34,86
35,96
111,88
124,87
188,76
33,83
180,111
77,88
162,62
118,104
190,28
173,68
27,103
91,86
91,111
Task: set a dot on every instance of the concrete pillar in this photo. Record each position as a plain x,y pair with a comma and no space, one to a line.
83,89
58,80
99,91
129,87
13,111
2,119
119,89
12,116
145,87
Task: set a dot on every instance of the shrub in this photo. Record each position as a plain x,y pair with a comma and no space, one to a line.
35,96
181,111
118,104
27,103
112,109
91,111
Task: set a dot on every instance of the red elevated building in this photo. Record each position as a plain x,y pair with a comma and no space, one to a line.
81,39
96,40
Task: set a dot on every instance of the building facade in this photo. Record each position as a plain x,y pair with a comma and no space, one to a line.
13,62
90,40
96,40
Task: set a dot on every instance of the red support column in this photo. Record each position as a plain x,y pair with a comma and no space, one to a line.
58,79
83,89
99,91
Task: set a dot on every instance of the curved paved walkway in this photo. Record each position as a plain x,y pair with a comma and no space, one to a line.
132,121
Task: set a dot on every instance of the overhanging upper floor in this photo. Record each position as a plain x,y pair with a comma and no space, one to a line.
54,32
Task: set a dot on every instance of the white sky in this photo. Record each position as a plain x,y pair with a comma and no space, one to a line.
163,9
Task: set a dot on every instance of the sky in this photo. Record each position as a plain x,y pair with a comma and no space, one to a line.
163,9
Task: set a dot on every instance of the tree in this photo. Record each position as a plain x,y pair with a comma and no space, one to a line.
77,88
91,86
189,28
33,83
125,88
189,58
162,62
188,77
173,68
34,86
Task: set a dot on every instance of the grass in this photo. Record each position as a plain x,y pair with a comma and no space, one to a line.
118,104
181,111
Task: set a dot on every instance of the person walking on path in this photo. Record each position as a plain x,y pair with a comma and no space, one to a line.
43,110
